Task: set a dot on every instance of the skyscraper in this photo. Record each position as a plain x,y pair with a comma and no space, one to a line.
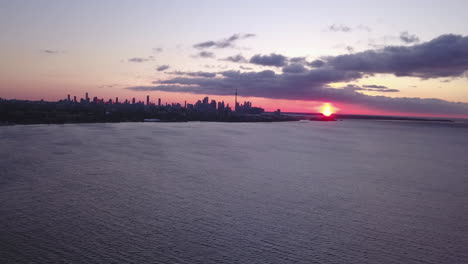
236,104
147,100
213,104
159,101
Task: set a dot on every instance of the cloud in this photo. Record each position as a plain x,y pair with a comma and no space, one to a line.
344,28
300,60
339,28
110,85
141,59
50,51
269,60
310,85
236,58
245,68
206,44
162,67
136,59
444,56
225,43
294,68
371,88
375,86
407,38
248,35
195,74
364,27
205,54
157,50
316,63
268,84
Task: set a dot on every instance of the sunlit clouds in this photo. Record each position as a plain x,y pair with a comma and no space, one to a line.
293,57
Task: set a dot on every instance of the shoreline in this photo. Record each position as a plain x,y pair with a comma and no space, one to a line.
287,119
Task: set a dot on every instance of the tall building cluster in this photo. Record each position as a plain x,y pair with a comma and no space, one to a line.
204,105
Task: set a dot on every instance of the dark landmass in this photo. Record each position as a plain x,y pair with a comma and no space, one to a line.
98,111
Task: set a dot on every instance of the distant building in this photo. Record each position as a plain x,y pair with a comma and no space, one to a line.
235,102
220,106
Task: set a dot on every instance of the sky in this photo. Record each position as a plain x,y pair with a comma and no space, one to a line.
364,57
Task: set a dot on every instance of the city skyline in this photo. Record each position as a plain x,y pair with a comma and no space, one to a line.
296,56
218,105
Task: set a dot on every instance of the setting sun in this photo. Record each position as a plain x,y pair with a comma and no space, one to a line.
327,109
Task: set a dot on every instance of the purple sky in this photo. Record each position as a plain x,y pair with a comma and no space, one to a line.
362,56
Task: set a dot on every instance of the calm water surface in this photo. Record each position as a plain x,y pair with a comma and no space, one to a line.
317,192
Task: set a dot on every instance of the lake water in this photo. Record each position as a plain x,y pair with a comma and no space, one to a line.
315,192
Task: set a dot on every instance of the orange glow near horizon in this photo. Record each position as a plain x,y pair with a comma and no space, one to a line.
327,109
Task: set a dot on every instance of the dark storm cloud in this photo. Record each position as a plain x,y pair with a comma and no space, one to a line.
273,59
225,43
236,58
408,38
339,28
445,56
162,67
